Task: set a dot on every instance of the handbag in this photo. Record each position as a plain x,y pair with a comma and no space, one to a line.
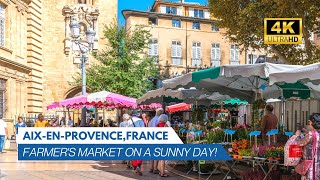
292,152
303,167
7,144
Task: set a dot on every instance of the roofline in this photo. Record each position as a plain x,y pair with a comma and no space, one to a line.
177,3
127,12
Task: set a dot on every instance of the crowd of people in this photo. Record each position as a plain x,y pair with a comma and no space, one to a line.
308,137
137,119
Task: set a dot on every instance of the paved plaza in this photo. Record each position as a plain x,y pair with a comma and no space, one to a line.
12,169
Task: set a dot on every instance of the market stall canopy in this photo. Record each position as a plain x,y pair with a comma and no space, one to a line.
303,74
109,99
235,102
273,100
295,90
151,106
159,95
53,105
238,81
74,101
178,107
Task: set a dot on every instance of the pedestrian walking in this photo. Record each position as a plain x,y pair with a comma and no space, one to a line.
124,124
136,122
62,122
161,164
3,133
311,146
41,122
153,123
70,122
19,124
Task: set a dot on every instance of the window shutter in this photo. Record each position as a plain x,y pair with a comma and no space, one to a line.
179,11
155,49
194,52
198,52
213,53
174,50
191,12
231,54
150,50
237,54
218,53
206,14
179,53
163,9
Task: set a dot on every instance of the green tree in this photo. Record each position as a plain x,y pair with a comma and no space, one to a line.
244,19
123,66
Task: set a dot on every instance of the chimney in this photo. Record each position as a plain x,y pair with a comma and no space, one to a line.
182,1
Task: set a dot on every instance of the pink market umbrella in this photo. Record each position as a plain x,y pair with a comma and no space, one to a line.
109,99
75,101
151,106
53,105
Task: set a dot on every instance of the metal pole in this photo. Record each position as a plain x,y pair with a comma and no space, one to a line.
83,69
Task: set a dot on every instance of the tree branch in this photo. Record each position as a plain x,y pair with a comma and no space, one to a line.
279,54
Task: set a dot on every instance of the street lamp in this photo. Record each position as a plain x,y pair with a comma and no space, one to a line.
75,33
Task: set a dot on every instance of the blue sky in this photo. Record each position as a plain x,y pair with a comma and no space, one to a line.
140,5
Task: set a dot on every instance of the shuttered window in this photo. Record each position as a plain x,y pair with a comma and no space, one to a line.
252,58
196,54
215,55
153,48
176,53
234,54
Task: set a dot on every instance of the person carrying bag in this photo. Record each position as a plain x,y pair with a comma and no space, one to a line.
309,166
304,165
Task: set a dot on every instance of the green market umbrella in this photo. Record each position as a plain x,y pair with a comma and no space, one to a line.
237,81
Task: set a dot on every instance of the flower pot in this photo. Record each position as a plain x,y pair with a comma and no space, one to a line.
278,159
239,157
234,156
270,158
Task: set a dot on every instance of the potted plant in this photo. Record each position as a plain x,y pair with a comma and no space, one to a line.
246,153
280,153
271,153
260,152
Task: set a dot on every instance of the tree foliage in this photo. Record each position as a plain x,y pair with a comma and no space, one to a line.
123,66
243,20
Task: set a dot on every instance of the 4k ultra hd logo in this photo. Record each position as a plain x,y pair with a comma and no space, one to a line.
283,31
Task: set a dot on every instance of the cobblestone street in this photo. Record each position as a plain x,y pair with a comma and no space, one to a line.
12,169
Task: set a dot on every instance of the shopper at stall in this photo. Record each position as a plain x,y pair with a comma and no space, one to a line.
70,122
124,124
3,133
153,123
269,121
41,122
311,148
136,122
163,119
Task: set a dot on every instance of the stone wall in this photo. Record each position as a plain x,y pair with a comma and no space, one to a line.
59,68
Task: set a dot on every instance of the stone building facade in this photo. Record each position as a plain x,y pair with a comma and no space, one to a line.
37,57
185,37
